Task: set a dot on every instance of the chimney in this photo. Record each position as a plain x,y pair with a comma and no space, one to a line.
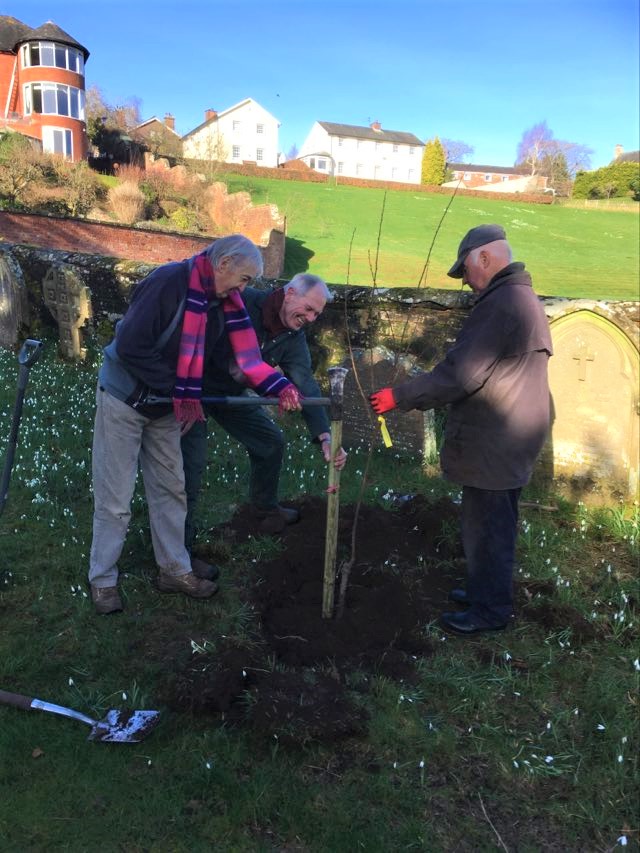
617,151
375,125
170,121
209,115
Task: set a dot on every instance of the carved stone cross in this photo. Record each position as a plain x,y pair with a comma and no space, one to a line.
582,356
70,303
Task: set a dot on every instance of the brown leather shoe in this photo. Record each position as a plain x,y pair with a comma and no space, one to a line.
189,584
275,520
106,599
204,570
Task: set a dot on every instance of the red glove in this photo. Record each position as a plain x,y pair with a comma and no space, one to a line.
289,400
382,401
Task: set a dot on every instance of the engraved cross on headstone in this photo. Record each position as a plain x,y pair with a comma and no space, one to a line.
583,355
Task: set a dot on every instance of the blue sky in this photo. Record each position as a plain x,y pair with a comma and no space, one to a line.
481,72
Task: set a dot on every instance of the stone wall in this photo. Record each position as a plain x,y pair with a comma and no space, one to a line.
592,453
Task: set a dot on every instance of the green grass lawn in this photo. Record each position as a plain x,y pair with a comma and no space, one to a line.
532,732
576,252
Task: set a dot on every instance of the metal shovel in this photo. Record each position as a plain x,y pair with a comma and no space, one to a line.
27,357
117,726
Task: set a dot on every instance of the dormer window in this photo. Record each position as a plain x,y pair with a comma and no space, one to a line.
52,55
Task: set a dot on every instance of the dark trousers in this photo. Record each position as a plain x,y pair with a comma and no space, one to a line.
253,428
489,532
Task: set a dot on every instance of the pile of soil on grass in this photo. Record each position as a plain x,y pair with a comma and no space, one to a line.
296,681
304,677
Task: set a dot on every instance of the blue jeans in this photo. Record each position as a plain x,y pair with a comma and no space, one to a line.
264,442
489,532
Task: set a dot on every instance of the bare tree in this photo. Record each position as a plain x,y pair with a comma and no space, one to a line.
455,150
533,146
538,149
292,153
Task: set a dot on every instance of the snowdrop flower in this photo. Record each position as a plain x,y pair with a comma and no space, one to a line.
620,759
421,765
124,696
71,682
600,727
549,759
622,841
207,764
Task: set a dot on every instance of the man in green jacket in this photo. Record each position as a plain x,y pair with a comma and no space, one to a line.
279,318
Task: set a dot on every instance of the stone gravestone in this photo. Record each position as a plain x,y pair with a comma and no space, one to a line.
594,377
13,301
69,300
410,431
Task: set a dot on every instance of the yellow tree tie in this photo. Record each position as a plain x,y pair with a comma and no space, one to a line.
385,432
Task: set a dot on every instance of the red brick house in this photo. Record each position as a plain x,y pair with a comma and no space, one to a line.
495,178
42,90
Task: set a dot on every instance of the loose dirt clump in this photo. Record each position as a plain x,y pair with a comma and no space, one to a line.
296,679
306,678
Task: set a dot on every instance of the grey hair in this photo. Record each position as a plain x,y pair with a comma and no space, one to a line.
238,247
499,248
303,282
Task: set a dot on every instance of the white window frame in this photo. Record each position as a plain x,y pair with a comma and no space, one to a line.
467,176
487,178
411,174
322,164
235,152
49,141
74,98
412,149
259,154
504,178
259,128
340,168
395,149
236,124
340,141
63,56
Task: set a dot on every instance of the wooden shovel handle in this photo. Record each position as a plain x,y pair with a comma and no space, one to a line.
16,700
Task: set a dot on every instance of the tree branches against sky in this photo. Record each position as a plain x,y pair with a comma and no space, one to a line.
448,68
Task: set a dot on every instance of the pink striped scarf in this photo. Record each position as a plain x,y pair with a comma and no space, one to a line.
187,391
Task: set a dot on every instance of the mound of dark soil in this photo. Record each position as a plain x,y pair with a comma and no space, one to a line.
406,559
296,681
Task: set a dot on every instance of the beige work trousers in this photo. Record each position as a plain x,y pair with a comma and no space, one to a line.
123,438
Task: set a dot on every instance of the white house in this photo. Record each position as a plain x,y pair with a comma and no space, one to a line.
244,133
363,152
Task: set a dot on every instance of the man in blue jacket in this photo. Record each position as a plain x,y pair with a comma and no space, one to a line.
179,315
279,318
494,382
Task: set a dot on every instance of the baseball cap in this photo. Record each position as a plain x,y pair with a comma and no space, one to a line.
478,236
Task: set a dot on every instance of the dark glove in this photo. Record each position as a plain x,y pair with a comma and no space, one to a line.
382,400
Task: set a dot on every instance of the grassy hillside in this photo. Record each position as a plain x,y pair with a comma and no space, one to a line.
570,252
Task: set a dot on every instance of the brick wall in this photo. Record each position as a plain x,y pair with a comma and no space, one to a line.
119,241
295,174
